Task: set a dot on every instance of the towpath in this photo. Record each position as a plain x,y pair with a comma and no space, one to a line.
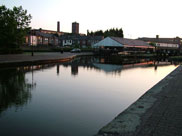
157,113
7,60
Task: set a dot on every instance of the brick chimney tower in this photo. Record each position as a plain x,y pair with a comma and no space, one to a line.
58,26
157,36
75,28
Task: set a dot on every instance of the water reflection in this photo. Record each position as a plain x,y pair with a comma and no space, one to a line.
64,105
113,65
57,69
14,88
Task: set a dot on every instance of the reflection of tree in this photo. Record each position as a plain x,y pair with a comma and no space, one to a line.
14,89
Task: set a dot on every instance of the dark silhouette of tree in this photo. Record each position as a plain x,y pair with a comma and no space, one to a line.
110,32
14,25
152,44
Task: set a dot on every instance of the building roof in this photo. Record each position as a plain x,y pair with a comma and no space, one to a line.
130,42
49,31
162,40
43,34
122,42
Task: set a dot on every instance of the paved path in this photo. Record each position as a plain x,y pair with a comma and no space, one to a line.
38,57
156,113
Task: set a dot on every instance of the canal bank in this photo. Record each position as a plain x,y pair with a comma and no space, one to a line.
158,112
38,58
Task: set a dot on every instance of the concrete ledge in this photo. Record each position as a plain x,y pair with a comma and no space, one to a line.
21,60
130,121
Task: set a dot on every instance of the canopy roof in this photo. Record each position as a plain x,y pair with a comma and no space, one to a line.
108,42
122,42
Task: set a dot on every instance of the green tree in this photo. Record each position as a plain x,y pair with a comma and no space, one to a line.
14,25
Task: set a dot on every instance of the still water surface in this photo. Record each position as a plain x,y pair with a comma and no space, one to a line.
76,98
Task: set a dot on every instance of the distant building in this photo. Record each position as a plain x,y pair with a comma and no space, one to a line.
165,43
122,43
37,37
44,37
81,40
57,38
49,31
75,28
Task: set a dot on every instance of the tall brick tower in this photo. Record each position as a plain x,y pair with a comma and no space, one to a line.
58,26
75,28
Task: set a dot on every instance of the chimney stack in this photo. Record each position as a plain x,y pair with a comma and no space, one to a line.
75,28
157,36
58,26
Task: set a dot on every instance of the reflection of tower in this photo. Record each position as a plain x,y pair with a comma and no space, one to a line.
75,28
156,64
32,74
74,69
57,69
33,84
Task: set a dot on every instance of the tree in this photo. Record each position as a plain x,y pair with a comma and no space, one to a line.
152,44
14,25
110,32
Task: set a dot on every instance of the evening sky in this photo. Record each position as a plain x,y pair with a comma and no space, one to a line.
138,18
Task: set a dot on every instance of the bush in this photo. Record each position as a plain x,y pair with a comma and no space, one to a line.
10,51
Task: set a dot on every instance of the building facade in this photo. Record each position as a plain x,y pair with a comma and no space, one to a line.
79,40
118,44
173,43
41,37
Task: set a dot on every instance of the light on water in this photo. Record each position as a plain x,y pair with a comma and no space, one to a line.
76,98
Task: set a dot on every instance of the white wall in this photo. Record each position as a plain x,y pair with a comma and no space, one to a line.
169,45
67,42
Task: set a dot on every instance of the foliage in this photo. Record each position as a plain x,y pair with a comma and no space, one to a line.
14,25
110,32
152,44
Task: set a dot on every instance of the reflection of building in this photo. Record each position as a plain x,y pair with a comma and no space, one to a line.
57,69
74,69
75,28
108,67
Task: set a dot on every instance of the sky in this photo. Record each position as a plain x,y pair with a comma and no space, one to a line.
137,18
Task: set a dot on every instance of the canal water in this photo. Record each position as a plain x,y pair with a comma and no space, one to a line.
75,98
